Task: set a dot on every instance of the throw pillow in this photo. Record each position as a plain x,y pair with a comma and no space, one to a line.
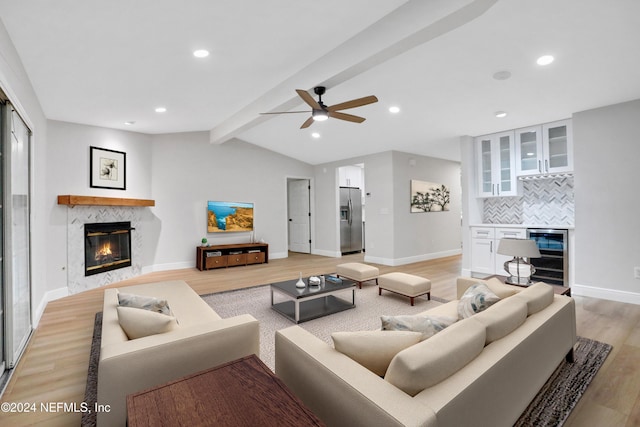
374,349
476,299
426,325
138,323
145,302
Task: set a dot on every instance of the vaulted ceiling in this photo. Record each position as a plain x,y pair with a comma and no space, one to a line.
105,63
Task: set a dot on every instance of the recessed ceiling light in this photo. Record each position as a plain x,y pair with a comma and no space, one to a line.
315,135
394,109
545,60
201,53
501,114
129,123
161,110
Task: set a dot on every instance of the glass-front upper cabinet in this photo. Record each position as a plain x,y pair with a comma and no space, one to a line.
496,171
529,151
557,141
544,149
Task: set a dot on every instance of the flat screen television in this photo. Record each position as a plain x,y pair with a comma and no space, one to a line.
225,217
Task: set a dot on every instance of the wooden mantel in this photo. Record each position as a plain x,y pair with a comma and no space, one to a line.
102,201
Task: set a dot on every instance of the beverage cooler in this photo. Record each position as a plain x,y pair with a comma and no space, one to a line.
553,265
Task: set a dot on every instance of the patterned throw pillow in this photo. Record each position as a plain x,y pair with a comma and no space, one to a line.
426,325
145,302
476,299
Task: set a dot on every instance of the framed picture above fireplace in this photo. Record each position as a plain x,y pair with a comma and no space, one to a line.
107,168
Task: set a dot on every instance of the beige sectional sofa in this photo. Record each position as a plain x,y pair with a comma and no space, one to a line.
201,340
480,371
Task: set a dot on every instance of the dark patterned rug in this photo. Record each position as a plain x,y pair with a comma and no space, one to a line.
551,407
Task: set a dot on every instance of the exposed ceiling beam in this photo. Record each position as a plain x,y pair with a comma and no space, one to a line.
414,23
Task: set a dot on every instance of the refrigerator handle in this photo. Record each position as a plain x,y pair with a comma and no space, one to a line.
350,212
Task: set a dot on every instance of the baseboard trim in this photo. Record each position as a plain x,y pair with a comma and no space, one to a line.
394,262
604,293
322,252
48,296
278,255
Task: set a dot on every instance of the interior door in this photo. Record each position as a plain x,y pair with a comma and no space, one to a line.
298,194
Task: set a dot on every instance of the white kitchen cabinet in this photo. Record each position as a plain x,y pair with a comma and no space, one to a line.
495,165
350,176
484,248
544,149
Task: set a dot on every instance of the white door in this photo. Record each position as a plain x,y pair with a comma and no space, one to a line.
298,194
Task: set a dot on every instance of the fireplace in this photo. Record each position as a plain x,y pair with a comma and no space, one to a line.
107,246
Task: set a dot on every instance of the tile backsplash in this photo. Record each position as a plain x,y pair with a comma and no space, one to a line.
543,201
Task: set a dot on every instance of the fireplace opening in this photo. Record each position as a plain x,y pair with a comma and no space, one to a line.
107,246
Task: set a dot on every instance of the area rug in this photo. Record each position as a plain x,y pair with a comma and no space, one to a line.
365,316
551,407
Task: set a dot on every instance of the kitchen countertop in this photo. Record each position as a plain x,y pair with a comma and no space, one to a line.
554,226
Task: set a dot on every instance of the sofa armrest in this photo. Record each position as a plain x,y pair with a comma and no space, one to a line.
338,389
142,363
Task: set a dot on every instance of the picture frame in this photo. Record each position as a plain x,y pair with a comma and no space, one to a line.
429,197
107,168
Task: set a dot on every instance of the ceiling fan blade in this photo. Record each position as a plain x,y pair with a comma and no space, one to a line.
307,123
347,117
287,112
353,103
308,99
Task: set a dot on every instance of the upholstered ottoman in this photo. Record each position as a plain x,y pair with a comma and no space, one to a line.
358,272
405,284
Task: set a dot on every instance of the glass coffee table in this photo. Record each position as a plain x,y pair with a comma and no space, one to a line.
311,302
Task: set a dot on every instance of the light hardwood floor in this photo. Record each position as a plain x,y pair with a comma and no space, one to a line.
54,366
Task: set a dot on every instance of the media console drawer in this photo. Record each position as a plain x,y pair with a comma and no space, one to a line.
216,262
218,256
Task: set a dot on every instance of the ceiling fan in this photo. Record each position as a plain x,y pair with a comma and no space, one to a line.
321,112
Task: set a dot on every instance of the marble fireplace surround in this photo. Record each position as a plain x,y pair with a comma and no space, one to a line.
84,209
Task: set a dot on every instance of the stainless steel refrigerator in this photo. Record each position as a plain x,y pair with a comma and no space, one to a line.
350,220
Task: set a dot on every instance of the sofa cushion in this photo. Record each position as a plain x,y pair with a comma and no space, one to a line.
499,288
425,324
138,323
502,318
145,302
429,362
537,296
374,349
476,299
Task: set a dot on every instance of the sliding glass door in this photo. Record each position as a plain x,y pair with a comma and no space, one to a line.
16,234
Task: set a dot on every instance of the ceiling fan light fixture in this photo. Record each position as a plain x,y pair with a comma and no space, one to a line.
320,115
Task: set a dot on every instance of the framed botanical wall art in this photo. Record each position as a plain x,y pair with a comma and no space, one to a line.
429,197
107,168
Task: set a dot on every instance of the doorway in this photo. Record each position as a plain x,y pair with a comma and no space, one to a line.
299,215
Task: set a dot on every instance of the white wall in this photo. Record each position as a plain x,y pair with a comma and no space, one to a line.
188,171
380,206
15,83
607,235
425,235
